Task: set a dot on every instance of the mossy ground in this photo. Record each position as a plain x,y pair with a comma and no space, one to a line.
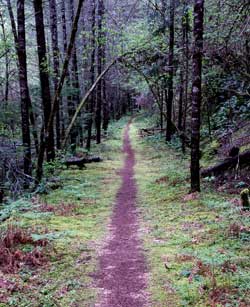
197,246
74,234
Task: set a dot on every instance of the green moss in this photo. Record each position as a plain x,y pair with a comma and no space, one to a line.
74,237
178,233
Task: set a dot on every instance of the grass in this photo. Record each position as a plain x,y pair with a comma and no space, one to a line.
74,233
197,246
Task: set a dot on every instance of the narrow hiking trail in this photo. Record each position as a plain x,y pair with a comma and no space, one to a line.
121,277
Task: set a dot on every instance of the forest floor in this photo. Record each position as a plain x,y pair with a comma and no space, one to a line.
133,225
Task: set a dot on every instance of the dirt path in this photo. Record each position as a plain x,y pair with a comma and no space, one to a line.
121,277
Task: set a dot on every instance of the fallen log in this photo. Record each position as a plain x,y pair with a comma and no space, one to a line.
227,164
80,162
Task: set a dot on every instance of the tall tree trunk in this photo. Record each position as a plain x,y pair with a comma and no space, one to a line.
75,82
91,102
180,111
196,94
6,90
44,75
99,97
24,89
171,72
68,82
56,53
104,90
31,114
186,29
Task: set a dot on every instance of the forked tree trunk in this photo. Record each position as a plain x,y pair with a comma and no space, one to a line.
24,89
44,75
196,95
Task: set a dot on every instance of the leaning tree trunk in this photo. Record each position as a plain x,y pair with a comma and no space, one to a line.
196,95
91,101
56,54
24,89
171,72
44,75
99,97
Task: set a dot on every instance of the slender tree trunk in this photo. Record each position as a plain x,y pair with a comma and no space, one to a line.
104,92
6,91
180,111
186,27
99,97
196,94
171,72
56,63
182,69
24,89
75,83
91,104
44,75
31,114
68,81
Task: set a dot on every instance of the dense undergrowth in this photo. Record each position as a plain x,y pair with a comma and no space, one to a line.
61,233
197,245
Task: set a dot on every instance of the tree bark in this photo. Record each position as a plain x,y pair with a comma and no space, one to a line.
24,89
44,75
196,94
68,82
98,119
31,114
74,81
171,72
104,89
185,25
56,63
7,74
91,101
